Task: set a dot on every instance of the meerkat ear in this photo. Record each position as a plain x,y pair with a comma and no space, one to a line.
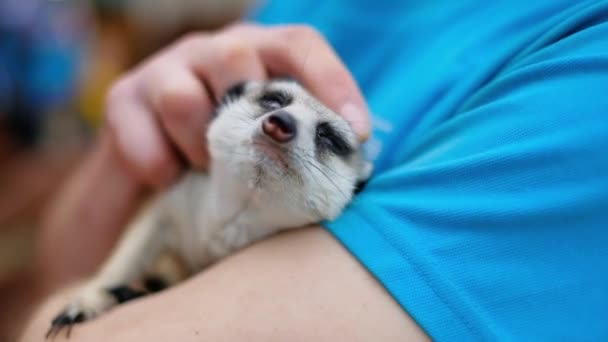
364,173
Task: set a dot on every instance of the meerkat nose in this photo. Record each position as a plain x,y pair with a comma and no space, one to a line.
280,127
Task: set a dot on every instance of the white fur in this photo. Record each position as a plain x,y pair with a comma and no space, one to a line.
246,196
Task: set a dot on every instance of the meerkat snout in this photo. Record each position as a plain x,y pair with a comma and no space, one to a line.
281,127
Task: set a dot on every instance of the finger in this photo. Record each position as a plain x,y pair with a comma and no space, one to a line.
183,106
302,52
223,61
138,136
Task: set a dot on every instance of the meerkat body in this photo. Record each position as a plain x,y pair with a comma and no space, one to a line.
279,160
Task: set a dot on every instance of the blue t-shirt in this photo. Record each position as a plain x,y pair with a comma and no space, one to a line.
487,215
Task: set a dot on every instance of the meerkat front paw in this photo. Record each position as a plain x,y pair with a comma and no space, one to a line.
89,303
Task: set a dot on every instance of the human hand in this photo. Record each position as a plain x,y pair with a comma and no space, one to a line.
158,112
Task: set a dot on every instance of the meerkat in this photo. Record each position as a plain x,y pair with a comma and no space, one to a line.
279,160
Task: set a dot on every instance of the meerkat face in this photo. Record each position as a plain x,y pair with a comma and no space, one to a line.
283,141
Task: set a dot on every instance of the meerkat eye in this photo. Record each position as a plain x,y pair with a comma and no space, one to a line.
272,100
327,138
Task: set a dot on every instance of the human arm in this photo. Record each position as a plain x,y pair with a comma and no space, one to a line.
298,286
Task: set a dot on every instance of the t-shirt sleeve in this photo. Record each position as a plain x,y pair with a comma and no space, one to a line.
494,224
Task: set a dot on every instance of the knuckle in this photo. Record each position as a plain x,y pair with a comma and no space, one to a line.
239,27
174,102
302,33
232,51
189,40
120,91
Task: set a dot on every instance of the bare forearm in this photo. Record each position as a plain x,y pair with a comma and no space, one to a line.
298,286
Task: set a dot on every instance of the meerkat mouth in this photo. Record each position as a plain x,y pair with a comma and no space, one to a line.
272,152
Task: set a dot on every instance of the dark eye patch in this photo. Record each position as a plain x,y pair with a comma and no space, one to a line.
234,92
274,99
328,139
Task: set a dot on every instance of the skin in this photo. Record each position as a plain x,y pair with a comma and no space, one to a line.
300,285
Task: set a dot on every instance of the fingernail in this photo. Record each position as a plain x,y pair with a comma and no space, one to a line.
357,118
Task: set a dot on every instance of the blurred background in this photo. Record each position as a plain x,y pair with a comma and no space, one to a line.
57,60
